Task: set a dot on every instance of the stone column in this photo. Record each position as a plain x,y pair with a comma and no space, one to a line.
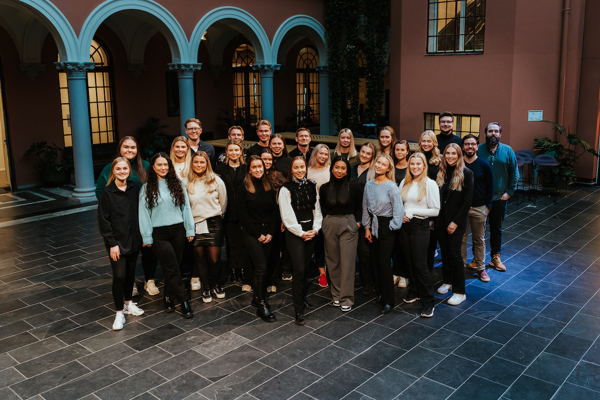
185,75
266,90
324,99
80,126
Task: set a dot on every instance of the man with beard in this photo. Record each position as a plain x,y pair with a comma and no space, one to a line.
303,139
263,131
506,174
483,193
446,135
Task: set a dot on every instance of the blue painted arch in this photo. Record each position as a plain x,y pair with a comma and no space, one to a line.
168,26
242,21
308,27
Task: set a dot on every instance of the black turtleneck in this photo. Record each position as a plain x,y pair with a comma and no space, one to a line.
352,206
257,212
432,170
444,140
446,186
282,164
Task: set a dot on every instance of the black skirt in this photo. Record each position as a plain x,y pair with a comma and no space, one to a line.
214,237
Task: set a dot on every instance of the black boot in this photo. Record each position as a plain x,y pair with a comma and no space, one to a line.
264,313
169,304
308,306
299,319
186,310
234,276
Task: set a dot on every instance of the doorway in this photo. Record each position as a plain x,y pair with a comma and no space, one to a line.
4,162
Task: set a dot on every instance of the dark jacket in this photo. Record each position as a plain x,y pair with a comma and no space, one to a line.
257,212
118,217
233,179
455,206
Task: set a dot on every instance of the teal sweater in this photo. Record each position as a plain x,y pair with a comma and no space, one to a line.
103,178
504,166
164,213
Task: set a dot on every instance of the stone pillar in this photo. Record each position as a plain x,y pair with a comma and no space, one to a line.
185,75
80,125
266,90
326,125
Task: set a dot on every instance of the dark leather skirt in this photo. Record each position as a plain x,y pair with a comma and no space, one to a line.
214,237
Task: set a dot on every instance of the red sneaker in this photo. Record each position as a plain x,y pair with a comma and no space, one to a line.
323,280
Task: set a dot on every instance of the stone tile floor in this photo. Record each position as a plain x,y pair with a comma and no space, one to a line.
531,333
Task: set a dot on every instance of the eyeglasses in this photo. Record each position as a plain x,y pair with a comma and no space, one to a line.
194,129
470,144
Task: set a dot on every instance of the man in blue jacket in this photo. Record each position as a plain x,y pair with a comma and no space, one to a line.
506,174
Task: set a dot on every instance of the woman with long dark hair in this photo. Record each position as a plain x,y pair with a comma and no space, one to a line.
118,223
456,188
301,215
208,201
257,211
165,222
341,206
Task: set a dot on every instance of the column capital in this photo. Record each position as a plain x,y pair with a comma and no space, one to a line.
32,70
322,69
266,70
185,70
75,69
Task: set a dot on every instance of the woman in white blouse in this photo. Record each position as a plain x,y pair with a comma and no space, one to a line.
208,201
421,198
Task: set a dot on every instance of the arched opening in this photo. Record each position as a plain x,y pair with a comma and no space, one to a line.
5,181
246,86
307,88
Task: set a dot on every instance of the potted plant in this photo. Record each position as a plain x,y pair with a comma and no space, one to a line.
54,172
564,148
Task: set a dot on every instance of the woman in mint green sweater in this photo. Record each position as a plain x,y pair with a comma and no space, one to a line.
166,221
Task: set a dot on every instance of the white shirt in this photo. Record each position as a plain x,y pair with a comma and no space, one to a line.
288,216
429,206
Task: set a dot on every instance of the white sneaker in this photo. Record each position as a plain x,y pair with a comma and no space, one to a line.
456,299
119,322
132,309
246,288
346,308
271,289
402,282
335,303
135,292
444,288
196,284
151,288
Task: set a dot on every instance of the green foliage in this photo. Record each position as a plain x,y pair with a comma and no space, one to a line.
564,148
152,137
47,156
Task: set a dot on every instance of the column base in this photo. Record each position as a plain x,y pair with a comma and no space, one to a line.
84,195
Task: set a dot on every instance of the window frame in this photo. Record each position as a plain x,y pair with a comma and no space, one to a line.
458,122
312,76
246,72
460,35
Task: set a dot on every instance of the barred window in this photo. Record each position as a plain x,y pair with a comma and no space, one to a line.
307,88
455,26
246,86
463,124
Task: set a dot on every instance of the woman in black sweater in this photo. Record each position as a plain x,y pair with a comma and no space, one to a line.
281,157
118,223
257,211
456,192
341,206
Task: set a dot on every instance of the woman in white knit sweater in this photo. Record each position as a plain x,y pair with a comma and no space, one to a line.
208,201
421,197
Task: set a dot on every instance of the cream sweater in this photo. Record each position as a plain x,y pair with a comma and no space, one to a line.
204,204
429,206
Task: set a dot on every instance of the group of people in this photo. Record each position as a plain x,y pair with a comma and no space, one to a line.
280,213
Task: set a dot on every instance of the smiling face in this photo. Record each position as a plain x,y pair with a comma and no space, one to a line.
303,138
236,134
345,140
180,150
451,156
426,143
277,146
470,147
299,169
267,159
493,134
385,138
400,151
121,171
193,130
365,155
256,169
161,167
446,124
322,156
199,165
264,133
339,170
382,166
416,167
128,149
233,152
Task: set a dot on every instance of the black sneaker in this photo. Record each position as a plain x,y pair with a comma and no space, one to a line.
218,292
286,276
427,312
410,299
206,297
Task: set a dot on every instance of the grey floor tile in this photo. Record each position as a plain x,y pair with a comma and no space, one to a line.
132,386
444,341
378,357
568,346
498,331
478,349
50,379
584,327
180,387
240,382
334,387
544,327
387,384
551,368
185,341
285,385
517,315
228,323
227,364
573,392
338,328
418,361
528,388
426,389
363,338
220,345
409,336
136,362
486,310
328,359
560,311
179,364
10,376
154,337
453,371
466,324
86,385
478,388
295,352
81,333
280,337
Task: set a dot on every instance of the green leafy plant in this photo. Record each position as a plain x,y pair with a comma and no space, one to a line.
152,137
47,155
565,149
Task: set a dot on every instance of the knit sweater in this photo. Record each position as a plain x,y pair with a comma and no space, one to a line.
381,200
427,207
205,204
504,167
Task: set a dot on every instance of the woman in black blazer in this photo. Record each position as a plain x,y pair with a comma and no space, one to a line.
456,191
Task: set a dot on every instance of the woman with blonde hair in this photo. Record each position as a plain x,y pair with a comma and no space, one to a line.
456,186
421,197
281,157
208,201
366,158
180,156
345,147
318,171
386,139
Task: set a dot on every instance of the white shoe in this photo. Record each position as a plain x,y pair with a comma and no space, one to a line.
132,309
151,288
246,288
396,279
456,299
335,303
119,322
402,282
196,284
346,308
444,288
271,289
135,292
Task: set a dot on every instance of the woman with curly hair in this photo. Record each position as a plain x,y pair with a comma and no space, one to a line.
165,222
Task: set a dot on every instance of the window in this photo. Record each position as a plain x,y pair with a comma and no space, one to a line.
100,99
455,26
463,124
246,87
307,88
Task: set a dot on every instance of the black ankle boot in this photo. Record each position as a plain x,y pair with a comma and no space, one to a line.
234,276
264,313
186,310
308,306
299,319
169,304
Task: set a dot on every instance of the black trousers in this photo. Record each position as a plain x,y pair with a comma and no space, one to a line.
398,259
149,263
364,259
186,268
453,270
123,278
259,256
381,261
274,264
237,257
300,253
414,238
432,245
319,251
495,220
168,245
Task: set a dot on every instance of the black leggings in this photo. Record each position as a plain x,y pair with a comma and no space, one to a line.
453,271
237,256
381,261
168,245
123,278
149,263
414,238
207,265
300,253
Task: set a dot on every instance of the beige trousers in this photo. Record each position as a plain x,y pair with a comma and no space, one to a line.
476,221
